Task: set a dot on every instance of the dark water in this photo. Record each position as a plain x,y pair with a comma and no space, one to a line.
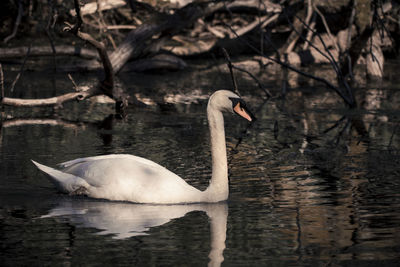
306,187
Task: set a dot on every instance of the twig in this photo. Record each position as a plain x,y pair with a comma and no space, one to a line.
278,61
335,125
329,57
391,137
335,65
17,22
73,82
21,70
229,63
255,79
234,150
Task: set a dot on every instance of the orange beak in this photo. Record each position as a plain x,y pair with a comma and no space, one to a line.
242,112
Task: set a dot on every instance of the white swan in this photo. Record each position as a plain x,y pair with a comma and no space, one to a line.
135,179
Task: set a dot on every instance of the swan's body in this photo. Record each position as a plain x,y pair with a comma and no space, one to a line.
131,178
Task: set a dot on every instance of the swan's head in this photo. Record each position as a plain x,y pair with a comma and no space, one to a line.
225,100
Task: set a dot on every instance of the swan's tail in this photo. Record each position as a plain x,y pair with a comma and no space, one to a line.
67,183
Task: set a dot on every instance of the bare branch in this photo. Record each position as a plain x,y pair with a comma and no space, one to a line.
266,91
73,82
347,100
229,63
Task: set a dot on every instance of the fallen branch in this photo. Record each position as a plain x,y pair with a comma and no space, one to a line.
52,101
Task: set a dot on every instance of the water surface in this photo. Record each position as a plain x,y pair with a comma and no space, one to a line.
306,187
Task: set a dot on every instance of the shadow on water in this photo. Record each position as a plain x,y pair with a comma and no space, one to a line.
311,182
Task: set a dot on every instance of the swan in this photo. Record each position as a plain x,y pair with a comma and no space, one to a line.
123,177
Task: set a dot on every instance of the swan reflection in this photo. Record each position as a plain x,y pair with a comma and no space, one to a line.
124,220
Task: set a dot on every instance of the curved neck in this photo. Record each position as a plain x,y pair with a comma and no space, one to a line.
219,188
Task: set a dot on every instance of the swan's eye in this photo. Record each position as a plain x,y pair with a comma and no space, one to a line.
236,102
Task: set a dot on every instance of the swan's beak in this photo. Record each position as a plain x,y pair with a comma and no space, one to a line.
243,112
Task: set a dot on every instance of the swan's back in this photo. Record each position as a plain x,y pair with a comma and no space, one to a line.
130,178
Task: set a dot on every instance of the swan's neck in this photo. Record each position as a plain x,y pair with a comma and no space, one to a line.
218,189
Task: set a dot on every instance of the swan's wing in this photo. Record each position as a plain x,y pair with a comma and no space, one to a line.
132,178
102,170
73,162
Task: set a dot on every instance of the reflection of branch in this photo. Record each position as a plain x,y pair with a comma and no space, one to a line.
106,124
335,125
52,122
234,150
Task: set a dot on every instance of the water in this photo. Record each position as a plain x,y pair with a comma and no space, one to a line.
302,192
